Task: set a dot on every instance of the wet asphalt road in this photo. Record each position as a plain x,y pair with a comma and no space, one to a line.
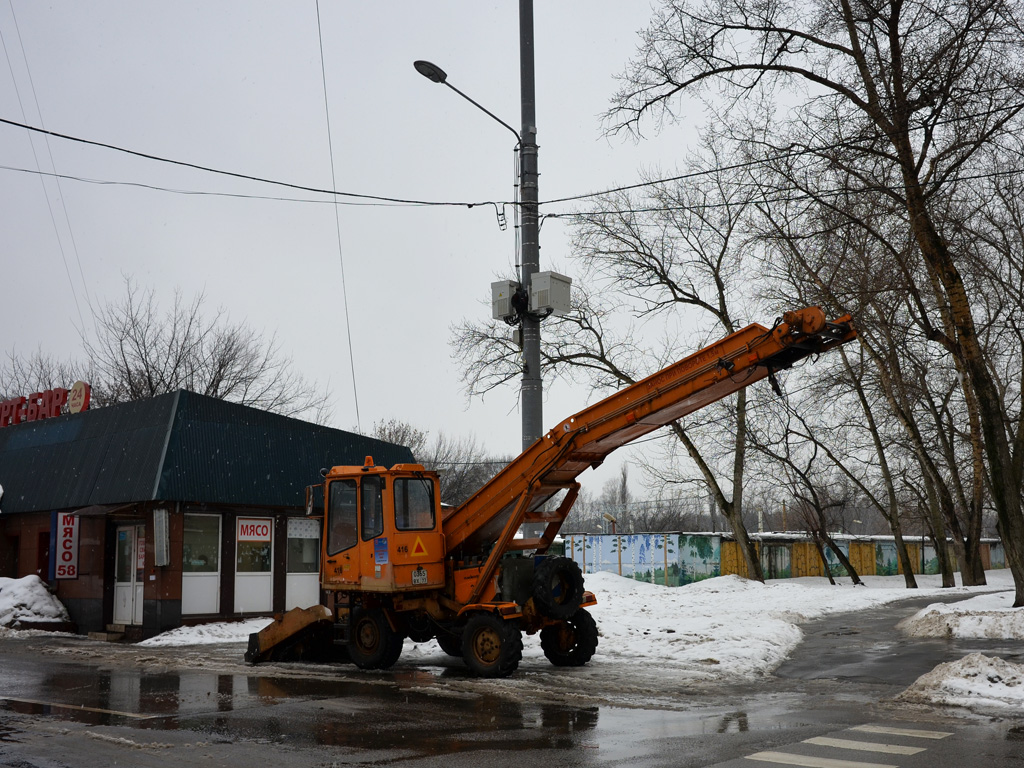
70,702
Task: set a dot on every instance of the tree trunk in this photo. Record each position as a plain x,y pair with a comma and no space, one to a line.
843,559
1005,480
938,529
746,546
824,560
732,513
901,550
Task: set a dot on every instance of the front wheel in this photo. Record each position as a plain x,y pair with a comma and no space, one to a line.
373,644
491,646
572,642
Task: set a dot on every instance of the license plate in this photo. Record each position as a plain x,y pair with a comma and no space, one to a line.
419,576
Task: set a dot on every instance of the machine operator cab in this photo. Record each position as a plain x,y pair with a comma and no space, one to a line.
382,529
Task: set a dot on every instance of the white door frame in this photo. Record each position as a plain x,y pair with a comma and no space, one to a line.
200,592
128,595
254,591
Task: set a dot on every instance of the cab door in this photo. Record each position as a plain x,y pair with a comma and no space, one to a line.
418,553
341,553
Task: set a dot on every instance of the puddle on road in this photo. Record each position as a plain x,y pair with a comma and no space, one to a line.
403,713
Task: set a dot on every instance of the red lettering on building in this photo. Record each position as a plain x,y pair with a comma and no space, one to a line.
44,405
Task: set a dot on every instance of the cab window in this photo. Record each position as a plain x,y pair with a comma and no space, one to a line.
414,504
342,512
372,506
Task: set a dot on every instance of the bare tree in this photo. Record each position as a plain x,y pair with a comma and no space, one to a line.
675,255
139,351
463,464
903,96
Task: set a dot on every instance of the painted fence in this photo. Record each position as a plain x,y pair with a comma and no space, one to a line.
674,559
663,558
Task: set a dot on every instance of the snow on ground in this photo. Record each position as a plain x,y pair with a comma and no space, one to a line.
28,599
990,616
209,634
726,627
975,682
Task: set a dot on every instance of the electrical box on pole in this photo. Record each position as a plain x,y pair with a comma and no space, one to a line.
549,294
501,299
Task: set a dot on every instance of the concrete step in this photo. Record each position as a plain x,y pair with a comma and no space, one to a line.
107,637
115,628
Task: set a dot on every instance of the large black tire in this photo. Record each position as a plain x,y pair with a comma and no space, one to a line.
492,646
572,642
451,643
558,587
373,644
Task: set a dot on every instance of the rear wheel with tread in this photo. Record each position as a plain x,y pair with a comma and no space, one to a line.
572,642
558,587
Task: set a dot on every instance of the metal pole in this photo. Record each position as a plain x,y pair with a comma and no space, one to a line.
533,385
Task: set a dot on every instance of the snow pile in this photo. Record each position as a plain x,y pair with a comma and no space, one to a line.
210,634
718,629
721,627
989,616
975,681
28,600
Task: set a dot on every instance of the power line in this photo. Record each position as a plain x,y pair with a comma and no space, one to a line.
337,220
206,193
46,196
752,163
245,176
49,151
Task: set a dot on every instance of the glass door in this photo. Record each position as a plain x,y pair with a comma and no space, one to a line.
129,570
302,583
200,565
254,571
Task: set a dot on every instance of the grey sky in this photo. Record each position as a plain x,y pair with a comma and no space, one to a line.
237,86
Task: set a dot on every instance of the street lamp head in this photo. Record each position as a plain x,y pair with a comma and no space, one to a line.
430,71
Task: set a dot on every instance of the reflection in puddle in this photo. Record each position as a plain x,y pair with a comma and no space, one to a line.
113,697
737,719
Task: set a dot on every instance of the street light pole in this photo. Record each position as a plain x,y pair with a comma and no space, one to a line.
532,392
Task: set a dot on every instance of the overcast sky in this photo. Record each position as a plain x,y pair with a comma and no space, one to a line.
238,86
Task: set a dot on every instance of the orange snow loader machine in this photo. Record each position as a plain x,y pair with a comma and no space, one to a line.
395,564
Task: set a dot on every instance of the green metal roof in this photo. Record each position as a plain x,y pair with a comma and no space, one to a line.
176,447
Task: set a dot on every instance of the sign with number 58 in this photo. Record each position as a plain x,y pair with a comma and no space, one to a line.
67,546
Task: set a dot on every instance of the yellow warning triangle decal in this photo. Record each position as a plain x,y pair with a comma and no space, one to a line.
418,548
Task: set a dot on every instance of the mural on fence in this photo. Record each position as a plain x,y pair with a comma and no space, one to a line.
997,556
776,561
885,558
675,559
661,558
834,566
929,560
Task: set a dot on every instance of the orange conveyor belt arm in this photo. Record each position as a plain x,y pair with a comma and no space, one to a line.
519,492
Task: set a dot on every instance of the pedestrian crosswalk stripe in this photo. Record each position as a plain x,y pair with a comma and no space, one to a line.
863,746
808,761
912,732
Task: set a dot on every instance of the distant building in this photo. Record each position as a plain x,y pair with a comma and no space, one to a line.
175,510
